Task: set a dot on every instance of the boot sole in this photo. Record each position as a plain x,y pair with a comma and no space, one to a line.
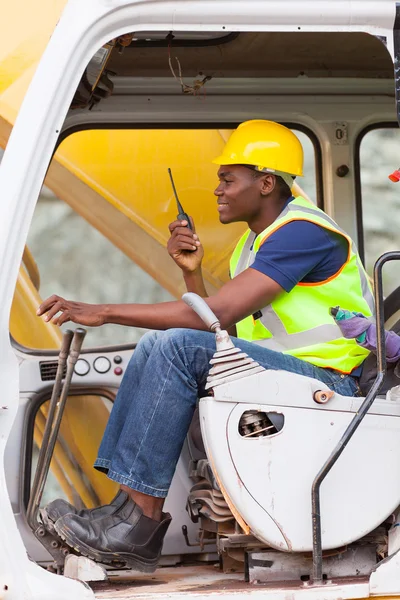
109,558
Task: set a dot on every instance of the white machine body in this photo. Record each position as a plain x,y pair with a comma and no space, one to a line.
268,479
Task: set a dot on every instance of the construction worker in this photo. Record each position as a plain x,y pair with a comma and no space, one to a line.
288,269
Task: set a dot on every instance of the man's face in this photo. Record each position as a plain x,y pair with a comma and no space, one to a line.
238,193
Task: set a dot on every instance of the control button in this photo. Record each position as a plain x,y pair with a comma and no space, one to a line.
118,371
102,364
82,367
118,359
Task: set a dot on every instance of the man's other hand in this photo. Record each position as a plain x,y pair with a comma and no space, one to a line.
59,311
185,247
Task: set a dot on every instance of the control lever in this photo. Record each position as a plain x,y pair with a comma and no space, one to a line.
205,313
70,350
203,310
229,362
62,360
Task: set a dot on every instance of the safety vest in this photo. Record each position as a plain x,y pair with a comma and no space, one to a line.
299,322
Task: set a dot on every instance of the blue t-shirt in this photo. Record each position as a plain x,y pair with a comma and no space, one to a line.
301,251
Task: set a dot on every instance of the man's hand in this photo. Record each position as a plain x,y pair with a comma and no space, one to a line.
91,315
185,247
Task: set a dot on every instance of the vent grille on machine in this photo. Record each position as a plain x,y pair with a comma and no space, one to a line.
48,370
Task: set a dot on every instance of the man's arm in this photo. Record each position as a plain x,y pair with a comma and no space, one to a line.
242,296
195,283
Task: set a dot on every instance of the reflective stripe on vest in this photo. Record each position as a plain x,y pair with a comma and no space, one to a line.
299,323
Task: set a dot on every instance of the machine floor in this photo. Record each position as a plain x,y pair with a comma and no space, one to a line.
207,581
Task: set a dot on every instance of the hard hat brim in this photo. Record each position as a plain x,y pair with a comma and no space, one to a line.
229,160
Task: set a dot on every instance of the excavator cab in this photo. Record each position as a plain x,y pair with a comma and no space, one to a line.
283,487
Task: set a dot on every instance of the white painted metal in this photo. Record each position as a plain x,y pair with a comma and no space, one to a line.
268,479
385,579
83,28
268,566
84,569
133,86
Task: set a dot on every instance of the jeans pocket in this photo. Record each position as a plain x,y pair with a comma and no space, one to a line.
346,385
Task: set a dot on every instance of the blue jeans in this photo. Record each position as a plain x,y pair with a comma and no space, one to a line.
157,398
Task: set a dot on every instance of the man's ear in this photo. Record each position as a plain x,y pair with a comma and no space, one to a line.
267,184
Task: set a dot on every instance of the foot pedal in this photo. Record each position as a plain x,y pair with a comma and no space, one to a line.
84,569
47,523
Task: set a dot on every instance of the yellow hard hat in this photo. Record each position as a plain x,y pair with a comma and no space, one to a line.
266,145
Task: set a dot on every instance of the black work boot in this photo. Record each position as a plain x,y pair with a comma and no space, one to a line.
58,508
127,537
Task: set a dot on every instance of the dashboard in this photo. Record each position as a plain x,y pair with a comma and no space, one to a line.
97,368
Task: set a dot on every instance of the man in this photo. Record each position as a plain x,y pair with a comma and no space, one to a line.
288,269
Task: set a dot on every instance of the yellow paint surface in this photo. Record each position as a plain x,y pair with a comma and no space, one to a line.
129,169
25,29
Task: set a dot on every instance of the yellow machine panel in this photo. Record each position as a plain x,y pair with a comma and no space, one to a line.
129,169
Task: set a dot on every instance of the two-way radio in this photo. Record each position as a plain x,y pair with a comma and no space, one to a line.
182,216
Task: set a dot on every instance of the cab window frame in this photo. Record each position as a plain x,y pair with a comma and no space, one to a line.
357,180
319,199
318,163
